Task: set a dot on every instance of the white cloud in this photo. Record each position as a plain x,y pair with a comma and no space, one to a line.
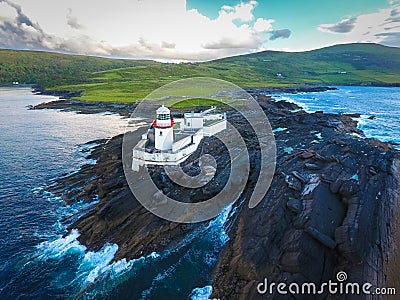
242,12
143,29
262,25
379,27
72,21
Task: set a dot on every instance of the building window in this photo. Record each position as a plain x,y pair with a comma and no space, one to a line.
160,133
163,117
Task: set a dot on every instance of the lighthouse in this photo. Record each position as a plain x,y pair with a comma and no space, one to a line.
164,132
170,142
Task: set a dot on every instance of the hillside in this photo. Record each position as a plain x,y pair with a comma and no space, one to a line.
127,80
52,69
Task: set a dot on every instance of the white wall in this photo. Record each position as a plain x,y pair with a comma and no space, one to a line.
169,158
193,123
213,117
164,137
181,143
187,140
214,128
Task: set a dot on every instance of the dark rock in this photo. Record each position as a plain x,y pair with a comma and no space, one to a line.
295,205
322,238
311,166
349,188
354,115
293,183
334,158
299,176
301,246
372,170
320,158
335,186
291,90
307,154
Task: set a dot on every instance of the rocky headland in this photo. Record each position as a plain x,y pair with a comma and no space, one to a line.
332,204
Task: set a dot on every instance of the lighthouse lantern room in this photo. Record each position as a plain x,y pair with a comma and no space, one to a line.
163,125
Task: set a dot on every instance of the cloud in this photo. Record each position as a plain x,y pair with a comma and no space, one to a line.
73,21
165,44
381,27
343,26
390,38
394,15
21,32
242,12
281,33
262,25
134,28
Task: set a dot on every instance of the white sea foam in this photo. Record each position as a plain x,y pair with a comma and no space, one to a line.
61,246
203,293
87,148
98,262
90,161
291,100
279,129
51,197
219,223
77,207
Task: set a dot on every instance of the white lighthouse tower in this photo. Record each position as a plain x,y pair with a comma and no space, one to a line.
164,132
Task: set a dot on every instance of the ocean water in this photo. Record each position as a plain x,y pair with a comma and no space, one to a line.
39,259
380,103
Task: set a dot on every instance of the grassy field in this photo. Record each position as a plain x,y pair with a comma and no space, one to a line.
102,79
197,102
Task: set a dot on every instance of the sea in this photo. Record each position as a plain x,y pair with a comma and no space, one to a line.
379,107
40,259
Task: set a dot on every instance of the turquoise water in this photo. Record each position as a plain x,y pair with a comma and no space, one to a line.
381,102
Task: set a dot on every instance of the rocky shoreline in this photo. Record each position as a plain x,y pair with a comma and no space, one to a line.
331,206
291,90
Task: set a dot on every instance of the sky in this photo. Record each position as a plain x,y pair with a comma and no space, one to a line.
194,30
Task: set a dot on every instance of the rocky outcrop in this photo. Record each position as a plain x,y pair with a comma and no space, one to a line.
63,94
329,208
291,90
86,107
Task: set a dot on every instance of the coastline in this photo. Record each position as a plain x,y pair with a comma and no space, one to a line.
119,218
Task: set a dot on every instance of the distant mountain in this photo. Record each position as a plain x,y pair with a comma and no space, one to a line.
336,65
126,80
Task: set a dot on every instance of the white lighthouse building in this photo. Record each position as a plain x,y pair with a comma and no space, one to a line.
170,141
164,129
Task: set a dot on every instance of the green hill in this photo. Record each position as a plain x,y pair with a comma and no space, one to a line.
127,80
51,69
